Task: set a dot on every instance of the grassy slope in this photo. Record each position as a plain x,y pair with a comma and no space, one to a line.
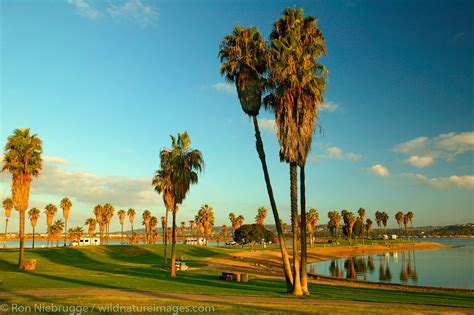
140,268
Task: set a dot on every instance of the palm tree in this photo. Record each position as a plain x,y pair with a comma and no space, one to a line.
410,216
406,220
378,218
50,211
368,226
66,205
22,158
121,214
100,218
399,218
349,219
91,222
162,185
76,233
224,232
153,224
146,216
131,217
56,230
261,215
335,221
8,206
109,211
312,219
242,56
191,226
205,220
183,165
34,215
297,83
240,220
361,213
385,218
233,221
183,229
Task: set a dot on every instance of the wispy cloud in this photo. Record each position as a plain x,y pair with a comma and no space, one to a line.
267,124
83,8
335,153
331,107
379,170
89,188
464,182
424,151
135,11
225,87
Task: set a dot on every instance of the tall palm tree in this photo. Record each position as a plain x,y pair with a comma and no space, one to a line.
183,165
368,226
350,220
205,219
399,218
261,215
361,213
242,56
312,219
50,210
385,218
378,218
8,206
297,83
101,220
183,229
91,222
410,216
33,215
66,205
224,231
153,224
56,230
22,158
163,185
131,217
146,216
406,220
121,214
233,221
109,211
335,221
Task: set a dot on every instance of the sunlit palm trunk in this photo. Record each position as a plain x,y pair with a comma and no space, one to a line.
297,290
165,241
304,274
173,246
121,242
33,246
22,239
281,238
6,229
132,232
65,231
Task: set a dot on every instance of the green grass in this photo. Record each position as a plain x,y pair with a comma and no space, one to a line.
139,268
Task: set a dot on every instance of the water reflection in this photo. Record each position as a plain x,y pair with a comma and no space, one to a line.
364,267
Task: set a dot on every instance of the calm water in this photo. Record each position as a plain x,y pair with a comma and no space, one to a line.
451,267
44,243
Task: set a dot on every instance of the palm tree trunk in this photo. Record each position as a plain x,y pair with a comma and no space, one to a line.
65,231
22,239
173,245
165,241
304,273
33,246
6,229
121,242
281,238
297,290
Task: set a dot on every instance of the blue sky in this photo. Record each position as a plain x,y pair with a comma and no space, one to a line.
104,84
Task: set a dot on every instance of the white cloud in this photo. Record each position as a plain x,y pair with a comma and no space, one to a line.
335,153
88,187
420,161
267,124
379,170
135,11
444,146
464,182
225,87
330,107
83,8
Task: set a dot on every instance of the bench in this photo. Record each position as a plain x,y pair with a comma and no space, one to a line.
229,276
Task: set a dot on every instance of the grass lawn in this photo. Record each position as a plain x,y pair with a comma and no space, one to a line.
139,268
